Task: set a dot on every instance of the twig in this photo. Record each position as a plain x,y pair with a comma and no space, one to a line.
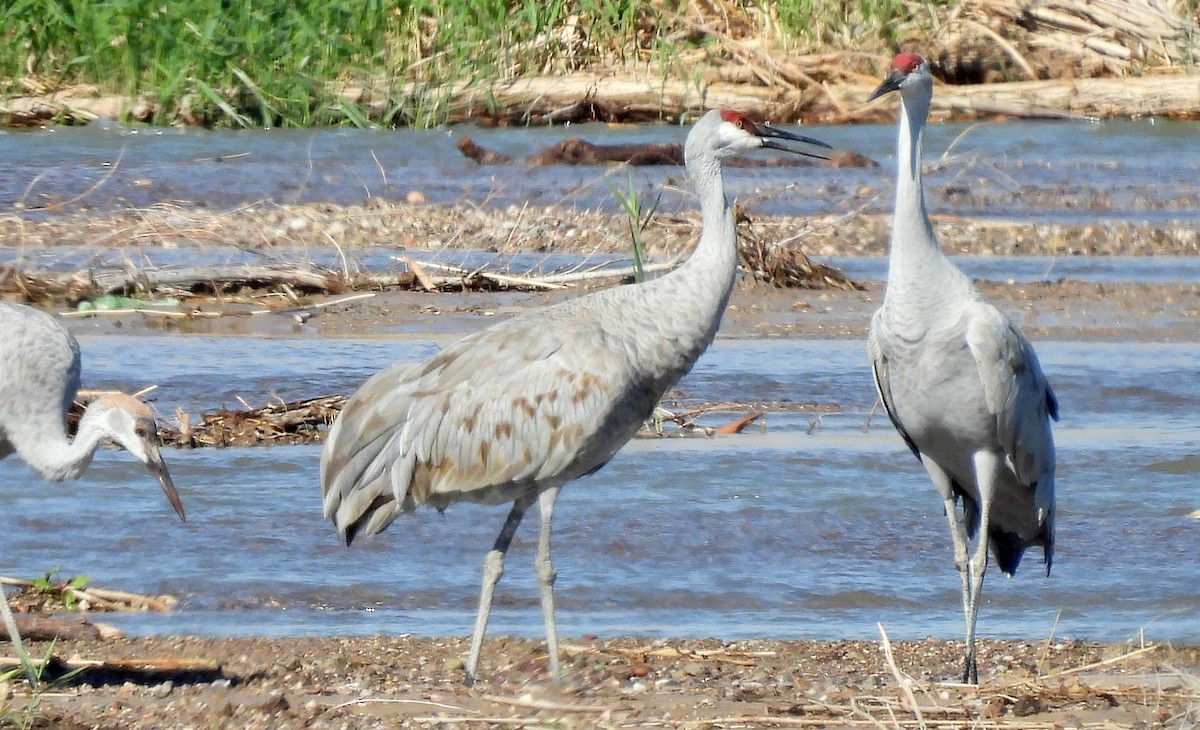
391,701
112,170
543,704
1093,665
903,681
151,312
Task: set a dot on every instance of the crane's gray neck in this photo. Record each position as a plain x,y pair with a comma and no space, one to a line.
714,261
51,454
687,303
916,264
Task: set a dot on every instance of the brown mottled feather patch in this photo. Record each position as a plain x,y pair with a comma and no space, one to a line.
422,482
524,404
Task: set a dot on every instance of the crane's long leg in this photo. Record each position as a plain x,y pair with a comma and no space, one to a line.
958,530
493,568
545,575
986,467
10,624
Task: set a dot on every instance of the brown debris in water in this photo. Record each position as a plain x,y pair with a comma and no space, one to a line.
297,422
576,151
785,266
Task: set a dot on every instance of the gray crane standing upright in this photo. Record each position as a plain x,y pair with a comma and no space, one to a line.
959,382
39,377
515,411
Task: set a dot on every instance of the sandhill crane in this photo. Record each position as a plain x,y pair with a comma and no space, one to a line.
39,377
959,382
515,411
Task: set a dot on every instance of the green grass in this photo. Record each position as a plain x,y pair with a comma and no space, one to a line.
282,63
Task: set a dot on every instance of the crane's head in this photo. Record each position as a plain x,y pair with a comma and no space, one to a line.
130,423
908,70
728,133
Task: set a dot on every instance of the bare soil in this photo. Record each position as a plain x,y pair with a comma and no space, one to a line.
385,682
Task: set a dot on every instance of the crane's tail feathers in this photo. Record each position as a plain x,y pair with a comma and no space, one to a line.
1007,549
359,517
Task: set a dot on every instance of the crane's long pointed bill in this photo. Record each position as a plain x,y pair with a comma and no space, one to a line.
890,84
770,134
158,468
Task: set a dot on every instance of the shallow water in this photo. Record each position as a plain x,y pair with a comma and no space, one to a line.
1046,171
779,532
805,527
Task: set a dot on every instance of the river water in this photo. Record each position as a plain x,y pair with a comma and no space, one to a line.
796,529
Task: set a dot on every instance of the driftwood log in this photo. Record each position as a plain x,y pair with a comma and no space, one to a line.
537,100
37,627
576,151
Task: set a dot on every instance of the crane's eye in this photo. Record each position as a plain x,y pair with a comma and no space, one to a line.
141,431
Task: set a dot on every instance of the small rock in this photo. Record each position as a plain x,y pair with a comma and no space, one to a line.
162,690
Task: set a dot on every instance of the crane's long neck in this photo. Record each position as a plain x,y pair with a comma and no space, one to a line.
700,288
679,313
710,269
916,265
45,447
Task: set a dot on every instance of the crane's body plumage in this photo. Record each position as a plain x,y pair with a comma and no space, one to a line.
960,383
40,368
514,412
545,397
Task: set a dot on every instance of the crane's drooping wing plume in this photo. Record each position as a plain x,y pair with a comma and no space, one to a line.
483,421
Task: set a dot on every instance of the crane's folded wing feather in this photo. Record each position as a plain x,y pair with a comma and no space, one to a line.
883,387
483,420
1016,392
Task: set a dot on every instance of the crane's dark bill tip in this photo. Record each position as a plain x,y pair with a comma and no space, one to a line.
890,83
774,145
159,469
768,130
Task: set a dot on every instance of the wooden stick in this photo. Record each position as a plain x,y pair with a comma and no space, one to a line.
543,704
900,678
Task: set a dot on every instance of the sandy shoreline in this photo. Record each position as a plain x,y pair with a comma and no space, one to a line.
381,682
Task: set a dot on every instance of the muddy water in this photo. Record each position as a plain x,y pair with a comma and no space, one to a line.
788,530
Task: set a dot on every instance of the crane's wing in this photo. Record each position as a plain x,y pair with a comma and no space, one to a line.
483,420
883,386
1017,394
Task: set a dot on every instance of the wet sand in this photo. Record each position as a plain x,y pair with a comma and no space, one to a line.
1067,310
